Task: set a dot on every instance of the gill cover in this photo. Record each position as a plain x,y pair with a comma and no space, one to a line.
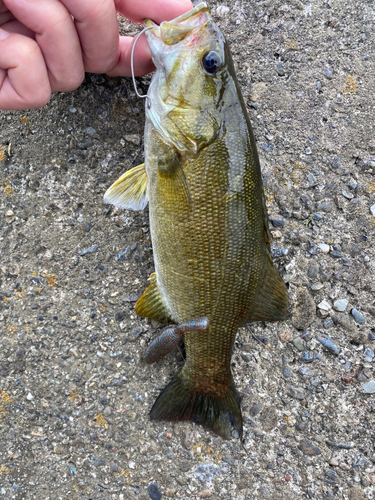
185,96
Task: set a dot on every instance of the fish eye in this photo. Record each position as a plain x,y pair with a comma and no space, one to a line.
211,61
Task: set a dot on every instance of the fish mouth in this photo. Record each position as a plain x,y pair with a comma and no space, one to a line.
175,31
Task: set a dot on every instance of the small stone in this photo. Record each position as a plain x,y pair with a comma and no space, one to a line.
277,221
120,315
90,131
60,449
285,336
368,355
328,343
298,343
328,73
9,213
324,205
368,387
335,254
133,138
124,254
154,492
29,397
317,286
340,305
357,316
371,336
205,494
296,392
325,305
134,334
328,323
347,195
305,310
255,409
114,468
286,372
245,357
276,234
99,462
88,250
344,320
222,10
334,461
372,210
323,247
313,271
308,448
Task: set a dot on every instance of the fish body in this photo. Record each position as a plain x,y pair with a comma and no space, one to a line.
208,217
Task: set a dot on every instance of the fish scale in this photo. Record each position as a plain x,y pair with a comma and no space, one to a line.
208,220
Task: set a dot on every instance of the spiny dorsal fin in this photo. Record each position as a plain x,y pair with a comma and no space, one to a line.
130,190
151,305
272,301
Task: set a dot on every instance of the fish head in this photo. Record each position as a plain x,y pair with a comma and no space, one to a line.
186,94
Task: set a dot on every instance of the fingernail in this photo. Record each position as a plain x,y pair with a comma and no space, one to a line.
3,34
184,2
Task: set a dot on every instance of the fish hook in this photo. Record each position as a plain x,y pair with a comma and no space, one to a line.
132,65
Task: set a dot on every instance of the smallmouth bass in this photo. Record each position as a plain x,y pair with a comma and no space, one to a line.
208,219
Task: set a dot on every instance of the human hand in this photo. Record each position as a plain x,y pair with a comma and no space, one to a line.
47,45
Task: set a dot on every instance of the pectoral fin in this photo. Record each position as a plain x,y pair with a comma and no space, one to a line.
172,185
130,190
151,305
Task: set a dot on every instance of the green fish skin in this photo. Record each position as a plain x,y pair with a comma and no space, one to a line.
208,218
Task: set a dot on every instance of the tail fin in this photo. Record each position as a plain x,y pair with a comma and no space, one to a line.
177,403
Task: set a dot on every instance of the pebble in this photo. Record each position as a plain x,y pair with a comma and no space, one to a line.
344,320
296,392
324,205
154,492
328,73
308,448
285,336
286,372
132,298
245,357
328,323
276,221
134,334
222,10
90,131
368,387
305,310
88,250
329,344
276,234
298,343
277,252
9,213
313,271
372,210
255,409
335,254
340,305
325,305
309,357
347,195
29,397
317,286
371,336
124,254
368,355
205,494
133,138
323,247
358,316
120,315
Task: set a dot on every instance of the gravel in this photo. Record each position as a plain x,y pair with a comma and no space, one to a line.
75,396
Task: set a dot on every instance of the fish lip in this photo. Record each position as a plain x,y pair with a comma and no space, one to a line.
170,33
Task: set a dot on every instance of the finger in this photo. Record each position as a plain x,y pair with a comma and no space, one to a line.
57,38
157,10
97,28
24,82
17,27
142,58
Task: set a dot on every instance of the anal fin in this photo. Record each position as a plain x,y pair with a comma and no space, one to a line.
151,305
272,301
130,190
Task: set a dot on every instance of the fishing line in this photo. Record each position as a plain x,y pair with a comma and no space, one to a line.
132,66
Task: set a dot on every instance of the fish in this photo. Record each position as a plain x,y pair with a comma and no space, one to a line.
208,220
